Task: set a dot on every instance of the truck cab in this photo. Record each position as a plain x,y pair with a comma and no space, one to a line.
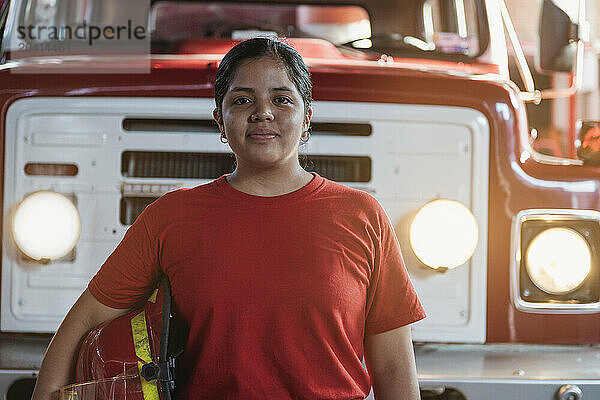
107,105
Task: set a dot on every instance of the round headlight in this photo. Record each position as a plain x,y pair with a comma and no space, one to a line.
558,260
444,234
46,225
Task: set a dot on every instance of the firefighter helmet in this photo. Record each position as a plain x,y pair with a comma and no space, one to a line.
130,357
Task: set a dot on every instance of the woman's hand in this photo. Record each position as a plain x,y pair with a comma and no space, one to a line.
390,361
58,366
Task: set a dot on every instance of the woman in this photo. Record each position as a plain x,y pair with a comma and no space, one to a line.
284,278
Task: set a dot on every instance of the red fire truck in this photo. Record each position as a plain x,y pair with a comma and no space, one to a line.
106,104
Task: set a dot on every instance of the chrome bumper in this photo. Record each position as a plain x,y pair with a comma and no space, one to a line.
509,371
20,358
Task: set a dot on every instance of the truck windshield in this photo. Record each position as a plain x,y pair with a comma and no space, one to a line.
405,28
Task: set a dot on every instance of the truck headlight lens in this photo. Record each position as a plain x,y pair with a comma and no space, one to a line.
555,263
558,260
444,234
46,226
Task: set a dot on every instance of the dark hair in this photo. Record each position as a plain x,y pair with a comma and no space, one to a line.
254,48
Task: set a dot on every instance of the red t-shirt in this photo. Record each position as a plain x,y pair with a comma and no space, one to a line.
278,292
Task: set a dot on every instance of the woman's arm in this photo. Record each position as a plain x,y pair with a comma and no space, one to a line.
390,361
58,366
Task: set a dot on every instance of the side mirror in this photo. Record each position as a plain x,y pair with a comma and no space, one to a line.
588,142
558,36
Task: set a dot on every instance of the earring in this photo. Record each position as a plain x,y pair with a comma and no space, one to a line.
307,137
223,138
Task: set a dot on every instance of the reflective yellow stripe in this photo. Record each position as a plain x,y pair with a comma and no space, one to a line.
152,298
141,343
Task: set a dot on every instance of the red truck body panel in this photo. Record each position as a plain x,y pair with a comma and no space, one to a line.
514,183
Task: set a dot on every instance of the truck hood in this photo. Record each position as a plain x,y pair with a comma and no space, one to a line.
203,53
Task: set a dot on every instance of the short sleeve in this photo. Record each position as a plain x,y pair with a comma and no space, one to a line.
128,275
391,298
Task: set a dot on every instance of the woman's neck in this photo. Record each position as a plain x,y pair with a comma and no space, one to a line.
269,182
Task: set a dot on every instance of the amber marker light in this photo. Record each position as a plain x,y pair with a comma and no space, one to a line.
558,260
444,234
46,226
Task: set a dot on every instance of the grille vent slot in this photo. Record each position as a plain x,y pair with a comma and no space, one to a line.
340,168
180,165
157,164
210,126
50,169
341,128
132,207
170,125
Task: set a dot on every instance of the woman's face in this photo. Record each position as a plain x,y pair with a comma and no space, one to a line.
263,115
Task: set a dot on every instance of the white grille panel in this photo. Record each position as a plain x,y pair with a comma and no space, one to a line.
418,153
